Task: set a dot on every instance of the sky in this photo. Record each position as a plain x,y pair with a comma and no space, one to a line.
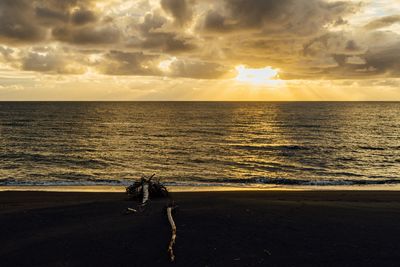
266,50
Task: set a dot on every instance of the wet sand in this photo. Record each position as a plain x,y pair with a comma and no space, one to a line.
255,228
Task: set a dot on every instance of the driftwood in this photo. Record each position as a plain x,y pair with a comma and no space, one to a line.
145,189
170,208
131,210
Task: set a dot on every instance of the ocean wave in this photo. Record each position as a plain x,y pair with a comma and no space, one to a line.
206,182
287,181
54,158
272,147
372,148
87,182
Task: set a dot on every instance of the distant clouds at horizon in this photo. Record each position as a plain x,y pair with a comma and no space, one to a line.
188,49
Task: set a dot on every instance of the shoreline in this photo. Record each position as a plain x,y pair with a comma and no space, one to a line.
208,188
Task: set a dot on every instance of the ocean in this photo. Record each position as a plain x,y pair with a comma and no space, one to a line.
200,143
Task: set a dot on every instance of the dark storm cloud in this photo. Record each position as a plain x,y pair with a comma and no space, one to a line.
181,10
382,22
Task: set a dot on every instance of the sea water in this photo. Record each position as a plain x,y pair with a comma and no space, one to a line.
200,143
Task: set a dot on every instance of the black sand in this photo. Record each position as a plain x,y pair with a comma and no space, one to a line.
258,228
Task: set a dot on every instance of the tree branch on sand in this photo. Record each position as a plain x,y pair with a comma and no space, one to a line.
170,208
145,189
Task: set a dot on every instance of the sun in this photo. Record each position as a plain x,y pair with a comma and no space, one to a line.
262,76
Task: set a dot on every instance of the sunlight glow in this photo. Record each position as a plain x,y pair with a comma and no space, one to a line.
165,65
263,76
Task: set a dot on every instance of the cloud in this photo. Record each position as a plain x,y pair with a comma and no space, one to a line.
87,35
166,42
127,63
30,21
197,69
384,60
155,38
305,39
362,56
270,17
42,62
49,17
137,63
333,43
294,36
382,22
52,61
181,10
17,25
6,53
82,16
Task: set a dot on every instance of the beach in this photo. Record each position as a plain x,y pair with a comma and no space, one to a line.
236,228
